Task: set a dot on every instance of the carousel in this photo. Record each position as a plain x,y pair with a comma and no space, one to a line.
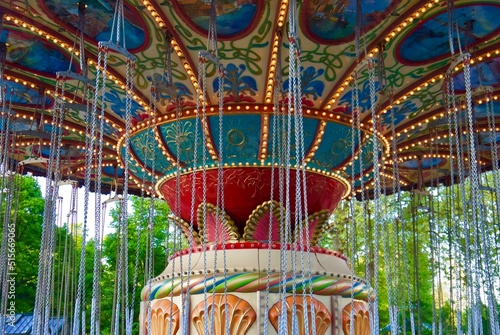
253,120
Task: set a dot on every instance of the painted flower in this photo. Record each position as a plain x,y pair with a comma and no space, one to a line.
364,97
236,86
310,85
117,103
400,113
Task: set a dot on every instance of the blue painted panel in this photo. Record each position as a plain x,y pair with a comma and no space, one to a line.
232,18
23,95
366,158
35,53
427,163
334,21
429,40
486,73
99,18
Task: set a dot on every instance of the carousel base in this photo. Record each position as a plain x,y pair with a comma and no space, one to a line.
252,313
251,289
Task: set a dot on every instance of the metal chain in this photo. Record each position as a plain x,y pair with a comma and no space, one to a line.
292,112
197,121
490,112
203,96
90,151
472,224
5,136
42,300
150,228
352,209
377,191
122,271
461,174
94,316
477,210
451,109
396,191
5,184
275,131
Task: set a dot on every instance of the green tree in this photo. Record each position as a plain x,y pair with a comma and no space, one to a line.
27,212
138,232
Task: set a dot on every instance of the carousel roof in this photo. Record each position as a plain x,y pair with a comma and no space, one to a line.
409,39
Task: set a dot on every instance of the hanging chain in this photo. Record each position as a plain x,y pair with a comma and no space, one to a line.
6,183
42,301
151,210
352,209
396,191
94,316
477,210
203,96
377,190
90,155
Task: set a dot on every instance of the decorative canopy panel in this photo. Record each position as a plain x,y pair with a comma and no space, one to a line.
408,38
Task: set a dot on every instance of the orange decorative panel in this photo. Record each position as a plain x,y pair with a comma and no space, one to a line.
361,318
303,310
165,317
240,313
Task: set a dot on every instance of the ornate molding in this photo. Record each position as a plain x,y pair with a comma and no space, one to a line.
259,223
212,229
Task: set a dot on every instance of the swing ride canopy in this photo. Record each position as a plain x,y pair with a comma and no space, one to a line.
407,39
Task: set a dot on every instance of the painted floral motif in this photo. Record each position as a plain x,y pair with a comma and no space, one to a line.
311,87
237,86
400,113
184,95
117,104
364,97
180,140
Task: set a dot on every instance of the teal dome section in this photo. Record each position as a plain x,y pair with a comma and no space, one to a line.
310,128
367,153
240,138
185,149
136,169
145,149
335,147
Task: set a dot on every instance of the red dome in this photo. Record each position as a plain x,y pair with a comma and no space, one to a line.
245,188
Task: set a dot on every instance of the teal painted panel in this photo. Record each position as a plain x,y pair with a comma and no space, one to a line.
240,137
